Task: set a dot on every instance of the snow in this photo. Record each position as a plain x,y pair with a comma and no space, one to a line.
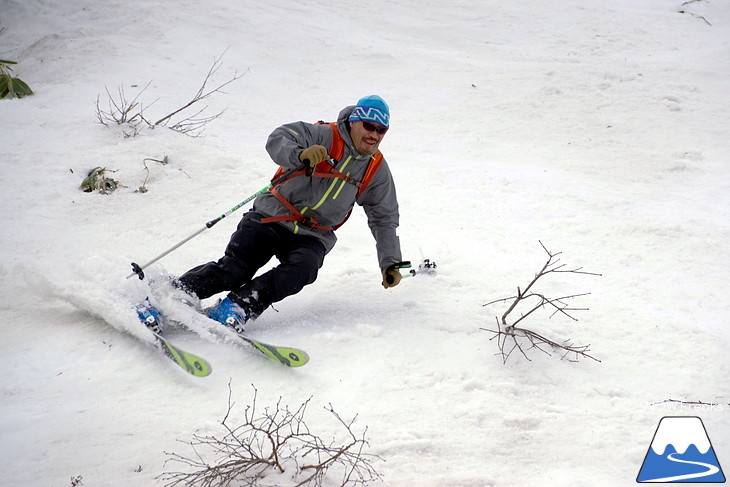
599,129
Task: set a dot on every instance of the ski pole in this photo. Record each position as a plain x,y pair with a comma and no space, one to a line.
426,267
137,269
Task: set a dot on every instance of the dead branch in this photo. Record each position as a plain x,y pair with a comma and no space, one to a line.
696,16
689,2
270,442
130,113
682,402
122,111
511,337
192,124
358,468
164,161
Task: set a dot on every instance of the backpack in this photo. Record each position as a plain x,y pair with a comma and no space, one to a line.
325,170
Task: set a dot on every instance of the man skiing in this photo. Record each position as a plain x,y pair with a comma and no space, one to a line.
324,170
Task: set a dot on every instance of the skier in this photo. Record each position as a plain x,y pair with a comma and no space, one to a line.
324,170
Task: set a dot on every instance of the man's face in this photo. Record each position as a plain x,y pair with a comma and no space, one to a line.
366,136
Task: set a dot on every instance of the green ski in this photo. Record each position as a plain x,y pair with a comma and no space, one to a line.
152,318
291,357
192,364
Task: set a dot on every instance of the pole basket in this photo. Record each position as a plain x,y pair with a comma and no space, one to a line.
427,267
136,269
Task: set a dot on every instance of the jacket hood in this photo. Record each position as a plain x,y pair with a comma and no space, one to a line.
345,114
343,124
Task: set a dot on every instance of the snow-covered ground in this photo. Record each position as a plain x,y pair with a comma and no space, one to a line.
597,128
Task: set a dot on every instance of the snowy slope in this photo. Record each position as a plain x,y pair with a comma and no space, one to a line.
599,129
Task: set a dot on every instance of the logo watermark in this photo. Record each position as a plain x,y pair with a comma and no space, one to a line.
681,451
681,406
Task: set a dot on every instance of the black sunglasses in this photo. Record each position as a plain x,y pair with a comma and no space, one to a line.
373,128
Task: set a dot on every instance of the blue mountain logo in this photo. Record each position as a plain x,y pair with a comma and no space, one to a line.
681,452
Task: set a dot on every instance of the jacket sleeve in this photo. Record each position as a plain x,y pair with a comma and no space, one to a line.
381,207
286,142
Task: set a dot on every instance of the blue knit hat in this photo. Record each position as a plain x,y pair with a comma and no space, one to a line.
371,108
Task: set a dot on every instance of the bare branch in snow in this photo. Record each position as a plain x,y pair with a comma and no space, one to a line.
270,443
511,337
192,124
131,113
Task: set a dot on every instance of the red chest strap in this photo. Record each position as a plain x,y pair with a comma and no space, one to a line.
324,170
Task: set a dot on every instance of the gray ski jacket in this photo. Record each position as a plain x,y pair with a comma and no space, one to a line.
329,200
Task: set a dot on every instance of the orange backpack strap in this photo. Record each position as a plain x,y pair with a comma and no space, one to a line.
373,167
338,145
337,151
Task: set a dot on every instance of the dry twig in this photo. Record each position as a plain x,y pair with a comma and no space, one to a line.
268,443
130,113
689,2
122,111
164,161
682,402
511,337
696,16
193,125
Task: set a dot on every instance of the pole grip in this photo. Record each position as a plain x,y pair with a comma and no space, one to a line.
398,265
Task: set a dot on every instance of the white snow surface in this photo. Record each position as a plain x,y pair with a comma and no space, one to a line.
598,128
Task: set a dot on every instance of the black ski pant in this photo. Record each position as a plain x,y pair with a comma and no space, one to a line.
251,246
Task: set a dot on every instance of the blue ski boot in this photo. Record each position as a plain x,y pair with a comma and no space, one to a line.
230,314
149,315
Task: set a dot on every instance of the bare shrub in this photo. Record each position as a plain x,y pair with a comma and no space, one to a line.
511,337
270,443
120,110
